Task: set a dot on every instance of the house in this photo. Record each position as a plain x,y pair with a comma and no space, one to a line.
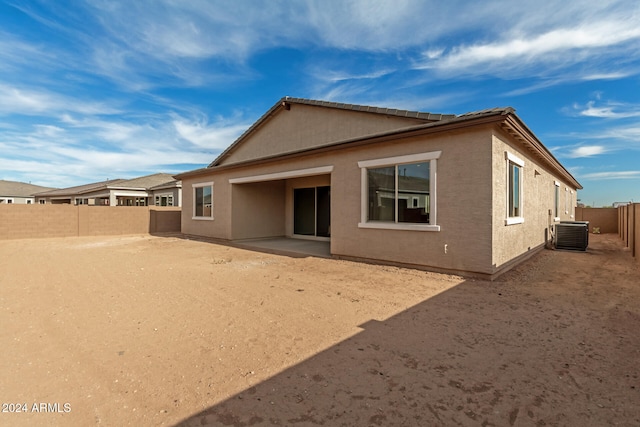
19,192
474,193
159,189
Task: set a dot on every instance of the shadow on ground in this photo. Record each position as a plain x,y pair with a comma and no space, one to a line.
536,347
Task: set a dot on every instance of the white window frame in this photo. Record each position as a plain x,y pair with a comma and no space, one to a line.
364,165
512,158
193,194
556,201
168,196
7,200
571,204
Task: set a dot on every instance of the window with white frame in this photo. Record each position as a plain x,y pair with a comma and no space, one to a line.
203,200
164,200
556,202
399,192
515,165
571,204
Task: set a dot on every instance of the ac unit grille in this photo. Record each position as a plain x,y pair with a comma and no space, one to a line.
572,235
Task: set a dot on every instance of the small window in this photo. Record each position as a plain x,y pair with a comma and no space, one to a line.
164,200
42,201
556,201
515,166
514,190
203,201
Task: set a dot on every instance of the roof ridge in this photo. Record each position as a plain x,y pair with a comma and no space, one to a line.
369,109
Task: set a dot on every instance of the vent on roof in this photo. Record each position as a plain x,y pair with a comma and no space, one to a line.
572,235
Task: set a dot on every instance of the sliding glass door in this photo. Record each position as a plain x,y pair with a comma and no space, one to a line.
312,211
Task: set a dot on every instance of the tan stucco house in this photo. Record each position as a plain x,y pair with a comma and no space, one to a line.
15,192
474,193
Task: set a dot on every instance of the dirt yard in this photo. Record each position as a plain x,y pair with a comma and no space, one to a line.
143,331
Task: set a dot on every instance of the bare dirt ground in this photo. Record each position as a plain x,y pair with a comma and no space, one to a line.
143,330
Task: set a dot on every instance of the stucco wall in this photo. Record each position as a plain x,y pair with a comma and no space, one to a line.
463,202
606,219
305,126
538,203
38,221
258,210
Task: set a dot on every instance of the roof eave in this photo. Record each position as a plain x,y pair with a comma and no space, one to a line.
519,130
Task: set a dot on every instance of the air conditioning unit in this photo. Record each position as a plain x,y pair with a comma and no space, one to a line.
572,235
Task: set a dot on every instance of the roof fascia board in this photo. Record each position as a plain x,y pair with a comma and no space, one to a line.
522,132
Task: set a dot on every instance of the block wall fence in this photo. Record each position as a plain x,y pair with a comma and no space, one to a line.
629,228
40,221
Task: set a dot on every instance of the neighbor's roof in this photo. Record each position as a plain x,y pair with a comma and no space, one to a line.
20,189
145,182
79,189
284,102
140,183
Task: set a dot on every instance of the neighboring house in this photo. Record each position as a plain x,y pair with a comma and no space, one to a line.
158,189
474,193
620,204
19,192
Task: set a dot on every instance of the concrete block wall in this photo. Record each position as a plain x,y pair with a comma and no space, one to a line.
40,221
636,235
629,229
605,219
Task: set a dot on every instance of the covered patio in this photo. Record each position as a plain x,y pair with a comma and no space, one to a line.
288,246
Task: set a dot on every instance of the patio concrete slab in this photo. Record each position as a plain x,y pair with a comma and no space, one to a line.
288,246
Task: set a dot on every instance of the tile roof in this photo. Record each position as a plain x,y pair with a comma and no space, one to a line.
20,189
143,182
79,189
146,182
369,109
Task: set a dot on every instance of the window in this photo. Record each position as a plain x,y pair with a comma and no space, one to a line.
571,204
514,189
164,200
42,201
556,203
203,200
7,201
29,201
399,192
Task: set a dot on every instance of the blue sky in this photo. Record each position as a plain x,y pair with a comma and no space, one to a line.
107,89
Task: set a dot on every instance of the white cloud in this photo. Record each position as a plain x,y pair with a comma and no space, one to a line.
611,110
612,175
29,101
587,151
81,149
541,50
208,136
